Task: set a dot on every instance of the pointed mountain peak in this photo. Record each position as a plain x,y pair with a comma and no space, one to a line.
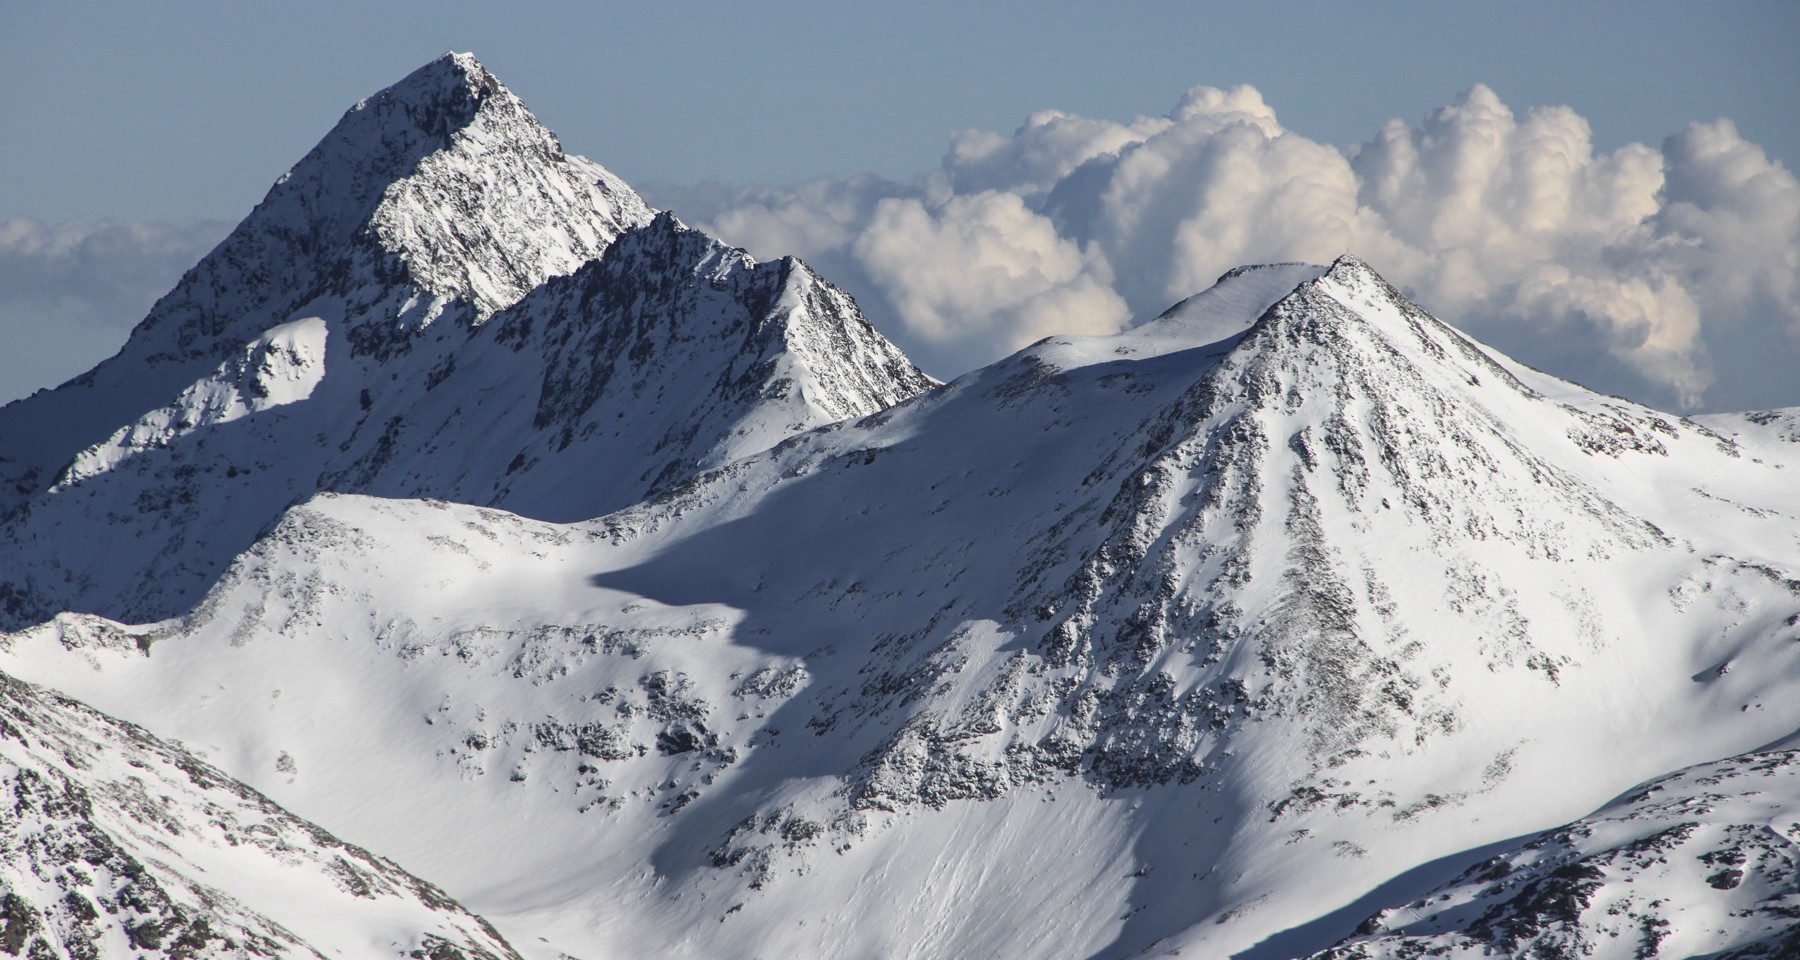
464,65
1353,276
1350,317
1348,280
1350,300
1351,268
667,222
665,242
661,247
385,136
448,171
451,78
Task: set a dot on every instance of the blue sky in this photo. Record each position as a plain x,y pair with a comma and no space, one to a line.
161,116
190,110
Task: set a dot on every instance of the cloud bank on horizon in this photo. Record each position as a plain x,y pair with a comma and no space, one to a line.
1669,275
70,292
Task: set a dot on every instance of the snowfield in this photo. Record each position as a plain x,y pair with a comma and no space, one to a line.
649,602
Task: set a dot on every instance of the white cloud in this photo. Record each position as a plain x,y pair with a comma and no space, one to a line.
1730,222
1671,275
984,257
70,293
1039,154
1504,223
1223,186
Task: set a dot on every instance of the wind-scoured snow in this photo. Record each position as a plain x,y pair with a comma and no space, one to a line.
1195,637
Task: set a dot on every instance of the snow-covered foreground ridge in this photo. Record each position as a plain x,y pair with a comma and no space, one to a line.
1290,616
118,844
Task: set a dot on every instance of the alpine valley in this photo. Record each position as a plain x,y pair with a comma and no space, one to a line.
465,560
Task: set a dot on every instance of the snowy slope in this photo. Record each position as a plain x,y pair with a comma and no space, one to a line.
119,844
1192,637
1772,435
382,323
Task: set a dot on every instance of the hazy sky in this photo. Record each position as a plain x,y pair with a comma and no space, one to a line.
169,121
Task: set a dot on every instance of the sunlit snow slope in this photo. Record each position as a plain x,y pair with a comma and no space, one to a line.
1217,635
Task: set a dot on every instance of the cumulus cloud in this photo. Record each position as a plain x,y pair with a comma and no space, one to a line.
984,255
1671,275
70,293
1039,154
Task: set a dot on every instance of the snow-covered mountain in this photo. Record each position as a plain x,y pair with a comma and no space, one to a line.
441,193
1219,635
435,302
